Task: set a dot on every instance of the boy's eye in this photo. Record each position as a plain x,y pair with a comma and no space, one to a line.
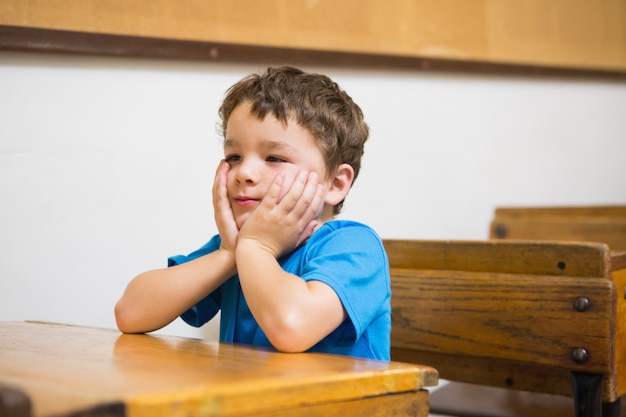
275,159
232,158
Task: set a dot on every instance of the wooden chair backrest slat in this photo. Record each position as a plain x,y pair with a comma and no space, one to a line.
532,258
527,318
606,224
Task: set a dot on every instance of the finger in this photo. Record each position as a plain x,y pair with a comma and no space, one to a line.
220,173
313,213
222,211
317,204
309,199
292,196
222,168
219,184
312,190
273,193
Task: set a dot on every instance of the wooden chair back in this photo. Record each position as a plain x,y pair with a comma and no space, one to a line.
605,224
511,314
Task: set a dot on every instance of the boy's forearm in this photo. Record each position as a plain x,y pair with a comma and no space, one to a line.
279,301
262,276
264,284
155,298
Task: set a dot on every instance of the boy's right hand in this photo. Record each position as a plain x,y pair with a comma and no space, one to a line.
281,223
223,213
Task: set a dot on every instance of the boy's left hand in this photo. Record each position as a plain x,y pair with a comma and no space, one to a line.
279,225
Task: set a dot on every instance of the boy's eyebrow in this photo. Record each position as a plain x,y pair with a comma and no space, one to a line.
267,143
229,142
274,144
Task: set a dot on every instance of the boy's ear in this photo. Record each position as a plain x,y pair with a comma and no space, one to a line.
340,185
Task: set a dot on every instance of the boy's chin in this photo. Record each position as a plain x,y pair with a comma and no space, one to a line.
241,220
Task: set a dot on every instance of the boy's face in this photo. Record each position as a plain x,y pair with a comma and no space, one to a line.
257,150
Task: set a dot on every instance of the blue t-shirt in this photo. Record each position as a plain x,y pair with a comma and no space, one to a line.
347,256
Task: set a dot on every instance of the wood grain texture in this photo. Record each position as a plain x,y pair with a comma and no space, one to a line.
605,224
67,369
503,313
404,404
528,32
500,373
521,257
528,318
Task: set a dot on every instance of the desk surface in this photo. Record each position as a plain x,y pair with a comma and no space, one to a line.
67,369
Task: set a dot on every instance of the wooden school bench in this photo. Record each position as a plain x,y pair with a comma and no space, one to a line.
538,316
57,370
605,224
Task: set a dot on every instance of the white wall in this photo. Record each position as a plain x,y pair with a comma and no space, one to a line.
106,165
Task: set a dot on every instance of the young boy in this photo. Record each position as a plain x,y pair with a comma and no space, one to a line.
282,270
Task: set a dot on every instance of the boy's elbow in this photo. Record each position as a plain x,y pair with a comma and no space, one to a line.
124,319
289,345
288,337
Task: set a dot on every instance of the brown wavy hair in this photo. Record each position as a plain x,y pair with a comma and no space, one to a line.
315,102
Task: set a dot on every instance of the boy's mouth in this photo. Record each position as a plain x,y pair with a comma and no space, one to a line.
245,201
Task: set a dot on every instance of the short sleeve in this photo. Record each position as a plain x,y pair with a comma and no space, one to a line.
353,262
208,307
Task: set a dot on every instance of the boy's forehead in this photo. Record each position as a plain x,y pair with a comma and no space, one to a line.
243,112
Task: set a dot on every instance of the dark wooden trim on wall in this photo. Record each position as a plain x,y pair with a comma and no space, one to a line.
16,38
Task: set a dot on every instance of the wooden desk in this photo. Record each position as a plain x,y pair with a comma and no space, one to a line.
67,370
521,315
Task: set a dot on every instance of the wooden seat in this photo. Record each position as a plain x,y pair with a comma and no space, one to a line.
535,316
605,224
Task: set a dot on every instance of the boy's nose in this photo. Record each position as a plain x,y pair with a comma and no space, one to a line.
246,173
